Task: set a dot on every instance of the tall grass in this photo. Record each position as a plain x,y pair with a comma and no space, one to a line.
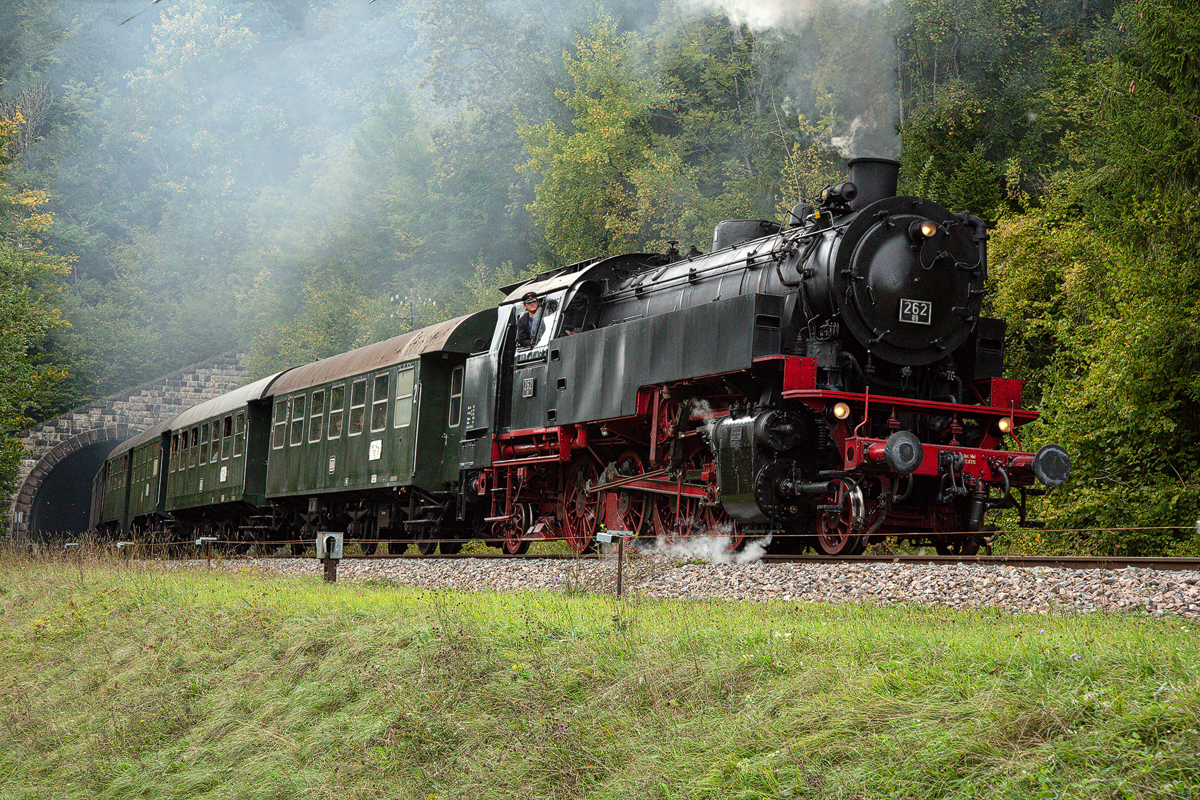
120,680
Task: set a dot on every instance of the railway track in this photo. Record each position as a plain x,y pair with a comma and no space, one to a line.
1177,564
1055,562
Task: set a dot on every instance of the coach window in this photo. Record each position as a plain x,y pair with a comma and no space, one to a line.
279,436
173,455
358,401
195,446
405,380
216,441
337,408
239,434
379,403
297,419
204,443
227,437
456,391
316,418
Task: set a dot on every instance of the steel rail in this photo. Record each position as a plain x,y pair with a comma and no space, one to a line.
1056,562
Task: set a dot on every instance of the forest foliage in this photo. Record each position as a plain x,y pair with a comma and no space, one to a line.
190,176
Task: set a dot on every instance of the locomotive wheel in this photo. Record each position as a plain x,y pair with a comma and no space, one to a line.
631,503
721,524
511,532
960,545
514,544
835,528
676,516
950,539
581,510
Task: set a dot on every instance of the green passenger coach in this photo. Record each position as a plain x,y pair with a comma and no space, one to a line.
211,447
147,485
352,433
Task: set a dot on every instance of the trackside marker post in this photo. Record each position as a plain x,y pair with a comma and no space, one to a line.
207,541
608,537
329,550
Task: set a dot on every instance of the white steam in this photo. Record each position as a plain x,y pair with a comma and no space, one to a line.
713,548
851,75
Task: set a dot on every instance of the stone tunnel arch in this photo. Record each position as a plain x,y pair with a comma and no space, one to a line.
56,498
55,481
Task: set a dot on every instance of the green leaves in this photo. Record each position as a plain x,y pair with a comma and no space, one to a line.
30,278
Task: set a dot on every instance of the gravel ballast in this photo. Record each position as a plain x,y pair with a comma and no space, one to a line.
1036,590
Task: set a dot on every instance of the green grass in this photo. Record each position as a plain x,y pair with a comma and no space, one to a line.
140,682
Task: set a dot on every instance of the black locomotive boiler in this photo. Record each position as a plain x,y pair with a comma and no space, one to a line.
825,383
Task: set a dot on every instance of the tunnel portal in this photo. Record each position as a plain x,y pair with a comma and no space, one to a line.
62,507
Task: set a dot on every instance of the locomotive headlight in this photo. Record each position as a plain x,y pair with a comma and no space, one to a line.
1005,424
920,230
841,411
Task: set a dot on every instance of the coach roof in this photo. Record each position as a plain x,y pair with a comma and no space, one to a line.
456,335
226,403
150,433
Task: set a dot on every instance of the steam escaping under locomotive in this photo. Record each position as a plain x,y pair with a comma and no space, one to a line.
826,382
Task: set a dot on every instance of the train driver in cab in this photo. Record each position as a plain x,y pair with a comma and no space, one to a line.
530,325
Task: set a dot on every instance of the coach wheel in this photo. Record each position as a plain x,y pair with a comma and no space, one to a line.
581,510
397,548
839,525
631,504
426,545
451,547
297,548
368,530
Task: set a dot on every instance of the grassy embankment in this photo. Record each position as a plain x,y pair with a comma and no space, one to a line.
139,682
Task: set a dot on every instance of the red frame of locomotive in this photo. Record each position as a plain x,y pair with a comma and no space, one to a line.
532,501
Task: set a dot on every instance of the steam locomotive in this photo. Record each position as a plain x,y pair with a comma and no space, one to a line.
826,383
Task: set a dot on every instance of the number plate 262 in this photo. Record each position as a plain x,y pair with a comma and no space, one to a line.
918,312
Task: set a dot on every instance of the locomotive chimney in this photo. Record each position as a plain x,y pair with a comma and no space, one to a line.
876,179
